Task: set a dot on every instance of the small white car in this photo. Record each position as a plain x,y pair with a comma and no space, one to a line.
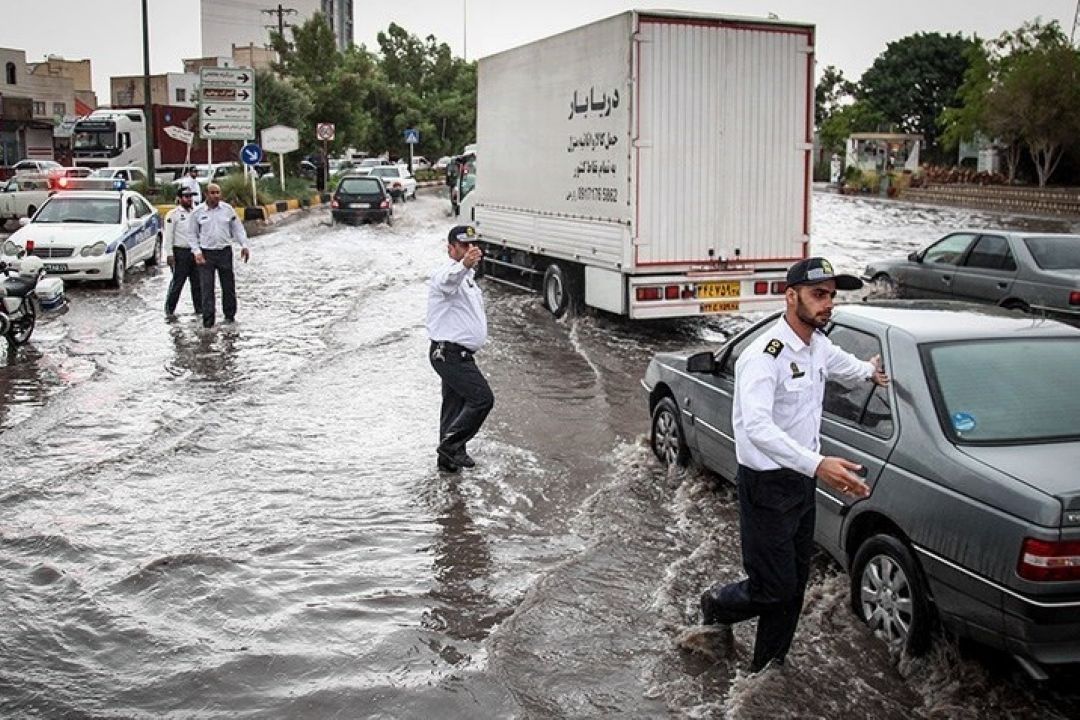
89,235
398,180
35,167
129,174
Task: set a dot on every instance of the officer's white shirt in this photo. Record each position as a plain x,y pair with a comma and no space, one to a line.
192,184
178,230
456,306
779,390
215,228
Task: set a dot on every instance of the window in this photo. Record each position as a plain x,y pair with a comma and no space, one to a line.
39,108
948,251
1061,252
858,402
59,108
141,208
992,253
181,95
728,366
9,74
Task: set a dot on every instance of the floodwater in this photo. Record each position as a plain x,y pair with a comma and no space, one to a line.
247,521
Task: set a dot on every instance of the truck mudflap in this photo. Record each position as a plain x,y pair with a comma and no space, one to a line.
670,296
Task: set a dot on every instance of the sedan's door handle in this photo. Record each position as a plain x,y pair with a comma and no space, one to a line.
946,278
1003,285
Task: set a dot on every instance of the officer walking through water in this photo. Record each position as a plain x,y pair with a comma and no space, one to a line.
457,326
214,227
779,388
178,254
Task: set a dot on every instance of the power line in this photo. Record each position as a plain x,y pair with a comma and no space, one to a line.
281,12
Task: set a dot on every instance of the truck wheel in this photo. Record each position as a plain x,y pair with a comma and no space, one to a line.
667,439
155,258
119,269
557,291
889,595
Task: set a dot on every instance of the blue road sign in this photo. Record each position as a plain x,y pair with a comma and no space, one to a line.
251,154
412,136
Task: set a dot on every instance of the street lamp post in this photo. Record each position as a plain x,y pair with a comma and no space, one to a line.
147,109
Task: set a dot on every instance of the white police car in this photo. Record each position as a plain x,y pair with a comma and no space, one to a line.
90,234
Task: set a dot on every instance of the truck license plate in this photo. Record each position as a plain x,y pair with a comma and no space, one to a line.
710,291
54,267
719,307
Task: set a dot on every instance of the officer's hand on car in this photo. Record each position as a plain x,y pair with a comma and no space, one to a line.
472,256
839,474
880,377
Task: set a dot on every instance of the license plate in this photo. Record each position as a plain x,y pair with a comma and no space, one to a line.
709,291
359,205
719,307
54,267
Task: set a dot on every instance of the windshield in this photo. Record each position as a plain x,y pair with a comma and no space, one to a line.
104,211
385,171
1008,391
370,162
356,186
1055,253
96,140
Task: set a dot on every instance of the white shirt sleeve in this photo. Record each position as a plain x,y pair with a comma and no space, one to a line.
170,232
842,365
448,278
757,391
238,232
193,234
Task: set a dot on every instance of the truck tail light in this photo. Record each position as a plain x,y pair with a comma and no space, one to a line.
1047,560
761,287
778,287
671,292
648,293
1074,297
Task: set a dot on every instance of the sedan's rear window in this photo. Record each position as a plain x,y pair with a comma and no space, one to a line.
1008,391
1055,253
360,186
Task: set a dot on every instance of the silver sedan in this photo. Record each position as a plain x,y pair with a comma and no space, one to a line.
1033,272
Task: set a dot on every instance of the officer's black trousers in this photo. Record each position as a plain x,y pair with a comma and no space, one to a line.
220,262
776,510
466,396
184,270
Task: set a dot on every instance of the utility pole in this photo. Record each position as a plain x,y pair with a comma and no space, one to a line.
147,106
281,12
465,29
1076,21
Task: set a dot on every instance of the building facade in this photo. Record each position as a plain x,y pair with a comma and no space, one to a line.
166,89
225,23
35,99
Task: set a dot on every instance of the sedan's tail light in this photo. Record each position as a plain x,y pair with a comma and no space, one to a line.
384,204
1074,297
334,203
1044,560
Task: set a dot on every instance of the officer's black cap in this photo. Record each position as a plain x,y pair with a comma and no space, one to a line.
463,234
817,269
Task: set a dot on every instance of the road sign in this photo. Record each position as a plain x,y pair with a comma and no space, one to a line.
325,131
251,154
180,134
280,139
412,136
226,103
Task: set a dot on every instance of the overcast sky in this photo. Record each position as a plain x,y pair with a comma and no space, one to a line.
851,33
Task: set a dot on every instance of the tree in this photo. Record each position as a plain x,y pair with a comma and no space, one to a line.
915,80
277,102
832,92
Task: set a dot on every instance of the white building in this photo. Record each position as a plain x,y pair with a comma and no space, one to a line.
226,23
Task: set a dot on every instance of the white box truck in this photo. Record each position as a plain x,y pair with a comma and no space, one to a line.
653,164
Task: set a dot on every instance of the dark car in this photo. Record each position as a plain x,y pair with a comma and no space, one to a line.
1033,272
972,457
361,199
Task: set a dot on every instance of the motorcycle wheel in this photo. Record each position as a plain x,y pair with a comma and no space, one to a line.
22,328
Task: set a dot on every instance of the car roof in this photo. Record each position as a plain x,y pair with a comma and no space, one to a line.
945,320
1012,233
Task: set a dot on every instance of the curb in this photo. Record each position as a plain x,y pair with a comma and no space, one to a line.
263,212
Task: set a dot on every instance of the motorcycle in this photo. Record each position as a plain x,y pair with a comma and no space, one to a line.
19,300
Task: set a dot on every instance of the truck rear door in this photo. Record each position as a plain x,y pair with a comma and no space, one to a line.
723,120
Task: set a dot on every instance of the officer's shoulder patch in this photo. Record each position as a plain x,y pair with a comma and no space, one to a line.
773,347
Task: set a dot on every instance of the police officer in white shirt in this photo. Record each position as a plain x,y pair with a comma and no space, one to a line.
457,326
215,227
191,182
178,255
779,389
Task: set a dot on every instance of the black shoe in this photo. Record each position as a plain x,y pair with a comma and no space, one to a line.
464,460
229,319
447,466
208,323
710,614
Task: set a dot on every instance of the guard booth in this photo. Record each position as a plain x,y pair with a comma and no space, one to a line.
883,152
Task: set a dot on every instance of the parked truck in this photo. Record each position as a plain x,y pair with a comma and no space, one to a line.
116,137
653,164
21,196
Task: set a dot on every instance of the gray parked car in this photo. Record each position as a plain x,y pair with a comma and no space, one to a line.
972,456
1033,272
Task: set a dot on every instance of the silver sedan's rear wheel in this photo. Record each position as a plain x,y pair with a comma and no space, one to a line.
888,593
668,441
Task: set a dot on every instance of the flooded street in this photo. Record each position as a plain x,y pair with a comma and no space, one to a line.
248,522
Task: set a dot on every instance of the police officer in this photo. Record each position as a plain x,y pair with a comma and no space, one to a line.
191,182
779,388
178,254
457,327
214,228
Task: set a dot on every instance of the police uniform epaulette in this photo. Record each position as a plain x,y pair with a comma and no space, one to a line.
773,347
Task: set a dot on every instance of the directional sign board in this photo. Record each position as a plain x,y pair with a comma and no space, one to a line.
179,134
280,139
226,103
412,136
251,154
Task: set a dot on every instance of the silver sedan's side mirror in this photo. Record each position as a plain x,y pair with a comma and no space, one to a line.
702,362
914,257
